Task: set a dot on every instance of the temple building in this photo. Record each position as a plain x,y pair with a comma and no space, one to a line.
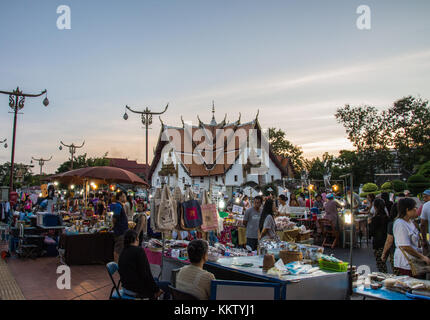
218,154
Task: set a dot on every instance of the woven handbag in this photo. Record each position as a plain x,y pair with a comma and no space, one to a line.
418,267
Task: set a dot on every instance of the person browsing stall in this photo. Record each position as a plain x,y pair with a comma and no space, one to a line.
120,224
425,216
406,237
192,278
251,221
331,210
135,272
283,205
378,227
267,225
293,200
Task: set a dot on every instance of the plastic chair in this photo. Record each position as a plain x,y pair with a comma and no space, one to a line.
181,295
116,293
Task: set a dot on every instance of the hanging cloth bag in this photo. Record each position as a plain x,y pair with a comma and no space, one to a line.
209,214
167,218
191,213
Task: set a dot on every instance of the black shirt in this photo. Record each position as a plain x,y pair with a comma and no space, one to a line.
135,272
378,230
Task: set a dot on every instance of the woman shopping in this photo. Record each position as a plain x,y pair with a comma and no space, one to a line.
406,237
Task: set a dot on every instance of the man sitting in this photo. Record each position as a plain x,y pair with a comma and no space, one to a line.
192,278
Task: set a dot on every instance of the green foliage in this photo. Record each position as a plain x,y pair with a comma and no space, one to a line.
399,185
418,183
370,187
424,170
407,128
83,162
387,186
281,146
27,178
404,127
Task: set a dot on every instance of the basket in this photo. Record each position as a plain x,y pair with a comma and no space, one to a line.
290,256
290,235
333,266
304,236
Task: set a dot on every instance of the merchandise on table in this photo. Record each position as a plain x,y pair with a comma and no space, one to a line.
403,284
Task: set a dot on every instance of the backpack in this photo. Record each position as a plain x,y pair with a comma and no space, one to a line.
167,217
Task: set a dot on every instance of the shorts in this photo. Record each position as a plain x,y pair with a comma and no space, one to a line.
119,244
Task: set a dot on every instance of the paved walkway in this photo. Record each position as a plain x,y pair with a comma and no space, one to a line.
9,289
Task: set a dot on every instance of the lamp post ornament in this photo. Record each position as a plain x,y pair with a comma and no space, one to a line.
16,102
72,149
41,162
4,141
146,116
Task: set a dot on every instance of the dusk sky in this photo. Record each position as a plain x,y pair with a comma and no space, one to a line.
296,61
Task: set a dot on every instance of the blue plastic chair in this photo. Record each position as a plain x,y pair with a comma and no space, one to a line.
116,293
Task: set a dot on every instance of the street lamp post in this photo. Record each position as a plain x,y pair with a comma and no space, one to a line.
16,101
41,162
72,149
146,121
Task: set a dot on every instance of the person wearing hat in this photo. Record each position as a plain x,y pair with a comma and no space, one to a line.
425,216
331,210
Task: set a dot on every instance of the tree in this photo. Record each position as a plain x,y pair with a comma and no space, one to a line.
407,127
22,174
82,162
365,127
418,183
281,146
424,170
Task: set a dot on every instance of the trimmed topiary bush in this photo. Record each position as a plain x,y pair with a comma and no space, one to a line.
424,170
418,183
370,187
398,185
387,186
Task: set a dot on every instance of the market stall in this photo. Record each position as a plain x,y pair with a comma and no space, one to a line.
303,278
382,286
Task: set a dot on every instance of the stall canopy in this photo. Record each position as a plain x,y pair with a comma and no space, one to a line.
102,174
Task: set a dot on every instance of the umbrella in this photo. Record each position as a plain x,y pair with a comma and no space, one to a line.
105,174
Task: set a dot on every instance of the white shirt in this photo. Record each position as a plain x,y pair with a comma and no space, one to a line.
425,213
283,209
405,234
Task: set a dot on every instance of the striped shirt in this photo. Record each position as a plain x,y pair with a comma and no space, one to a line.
195,281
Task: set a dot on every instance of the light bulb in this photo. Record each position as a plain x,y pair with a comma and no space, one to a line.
61,148
125,116
46,102
221,204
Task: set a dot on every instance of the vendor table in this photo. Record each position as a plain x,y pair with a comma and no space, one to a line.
322,286
83,249
380,294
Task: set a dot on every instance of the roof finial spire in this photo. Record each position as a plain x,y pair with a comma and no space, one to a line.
213,122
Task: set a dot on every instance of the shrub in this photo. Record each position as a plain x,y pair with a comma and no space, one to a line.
418,183
370,187
387,186
424,170
398,185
